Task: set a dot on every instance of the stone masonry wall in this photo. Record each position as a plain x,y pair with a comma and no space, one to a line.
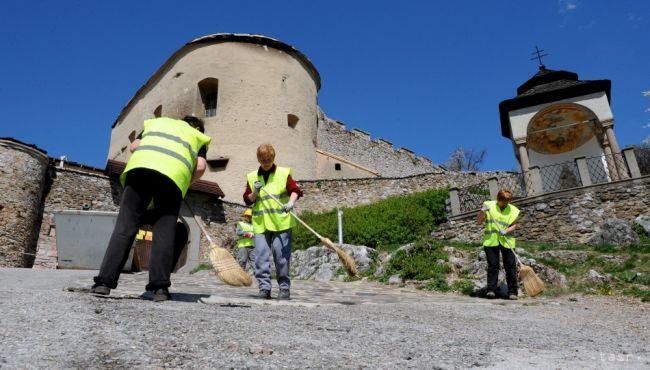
572,216
72,189
323,195
378,154
22,174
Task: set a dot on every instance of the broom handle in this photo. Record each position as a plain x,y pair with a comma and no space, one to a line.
199,222
294,215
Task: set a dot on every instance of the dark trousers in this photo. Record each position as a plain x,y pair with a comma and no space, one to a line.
141,187
509,264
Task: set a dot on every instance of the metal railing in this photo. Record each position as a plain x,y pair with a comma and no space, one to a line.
560,176
517,183
473,196
631,163
607,168
642,156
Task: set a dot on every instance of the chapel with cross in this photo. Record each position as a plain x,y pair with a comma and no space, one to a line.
556,118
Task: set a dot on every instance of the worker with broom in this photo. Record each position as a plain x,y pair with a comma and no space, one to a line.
272,222
245,240
167,158
499,218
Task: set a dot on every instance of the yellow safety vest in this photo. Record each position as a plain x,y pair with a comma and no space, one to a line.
267,213
499,220
243,242
168,146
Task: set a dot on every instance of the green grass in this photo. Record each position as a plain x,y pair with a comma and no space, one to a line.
420,262
628,268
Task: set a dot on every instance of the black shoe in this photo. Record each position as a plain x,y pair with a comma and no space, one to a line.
284,294
100,289
490,295
161,294
264,294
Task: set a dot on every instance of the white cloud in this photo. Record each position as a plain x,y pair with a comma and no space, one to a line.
646,93
567,5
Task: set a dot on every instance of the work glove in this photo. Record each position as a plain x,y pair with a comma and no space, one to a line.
502,232
287,206
485,208
257,186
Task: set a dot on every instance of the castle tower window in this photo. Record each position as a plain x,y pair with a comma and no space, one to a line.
208,88
337,166
158,111
292,120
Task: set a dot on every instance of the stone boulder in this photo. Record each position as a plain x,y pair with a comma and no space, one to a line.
644,221
594,277
615,232
322,264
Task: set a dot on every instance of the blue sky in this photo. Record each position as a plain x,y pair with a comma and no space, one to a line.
426,75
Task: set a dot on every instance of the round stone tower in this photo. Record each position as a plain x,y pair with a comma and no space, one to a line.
249,89
22,178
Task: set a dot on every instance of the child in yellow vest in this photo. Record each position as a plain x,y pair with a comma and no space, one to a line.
245,240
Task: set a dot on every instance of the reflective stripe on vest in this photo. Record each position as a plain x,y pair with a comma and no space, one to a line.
173,138
243,242
499,220
170,147
267,213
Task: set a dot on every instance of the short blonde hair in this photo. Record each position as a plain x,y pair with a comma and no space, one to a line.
265,151
505,195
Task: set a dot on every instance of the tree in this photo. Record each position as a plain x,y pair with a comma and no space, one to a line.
465,160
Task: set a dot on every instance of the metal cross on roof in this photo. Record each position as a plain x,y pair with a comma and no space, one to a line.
539,55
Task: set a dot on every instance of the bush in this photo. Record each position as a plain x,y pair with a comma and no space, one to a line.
390,222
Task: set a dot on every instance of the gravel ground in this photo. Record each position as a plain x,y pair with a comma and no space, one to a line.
42,326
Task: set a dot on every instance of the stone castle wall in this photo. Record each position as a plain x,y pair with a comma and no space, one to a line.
72,189
22,170
378,155
565,217
323,195
77,189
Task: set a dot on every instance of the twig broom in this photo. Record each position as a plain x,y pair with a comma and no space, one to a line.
227,269
346,260
533,285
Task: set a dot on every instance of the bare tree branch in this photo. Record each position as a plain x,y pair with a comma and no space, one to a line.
466,160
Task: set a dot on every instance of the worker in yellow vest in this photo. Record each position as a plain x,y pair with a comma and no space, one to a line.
245,240
272,222
167,157
499,219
